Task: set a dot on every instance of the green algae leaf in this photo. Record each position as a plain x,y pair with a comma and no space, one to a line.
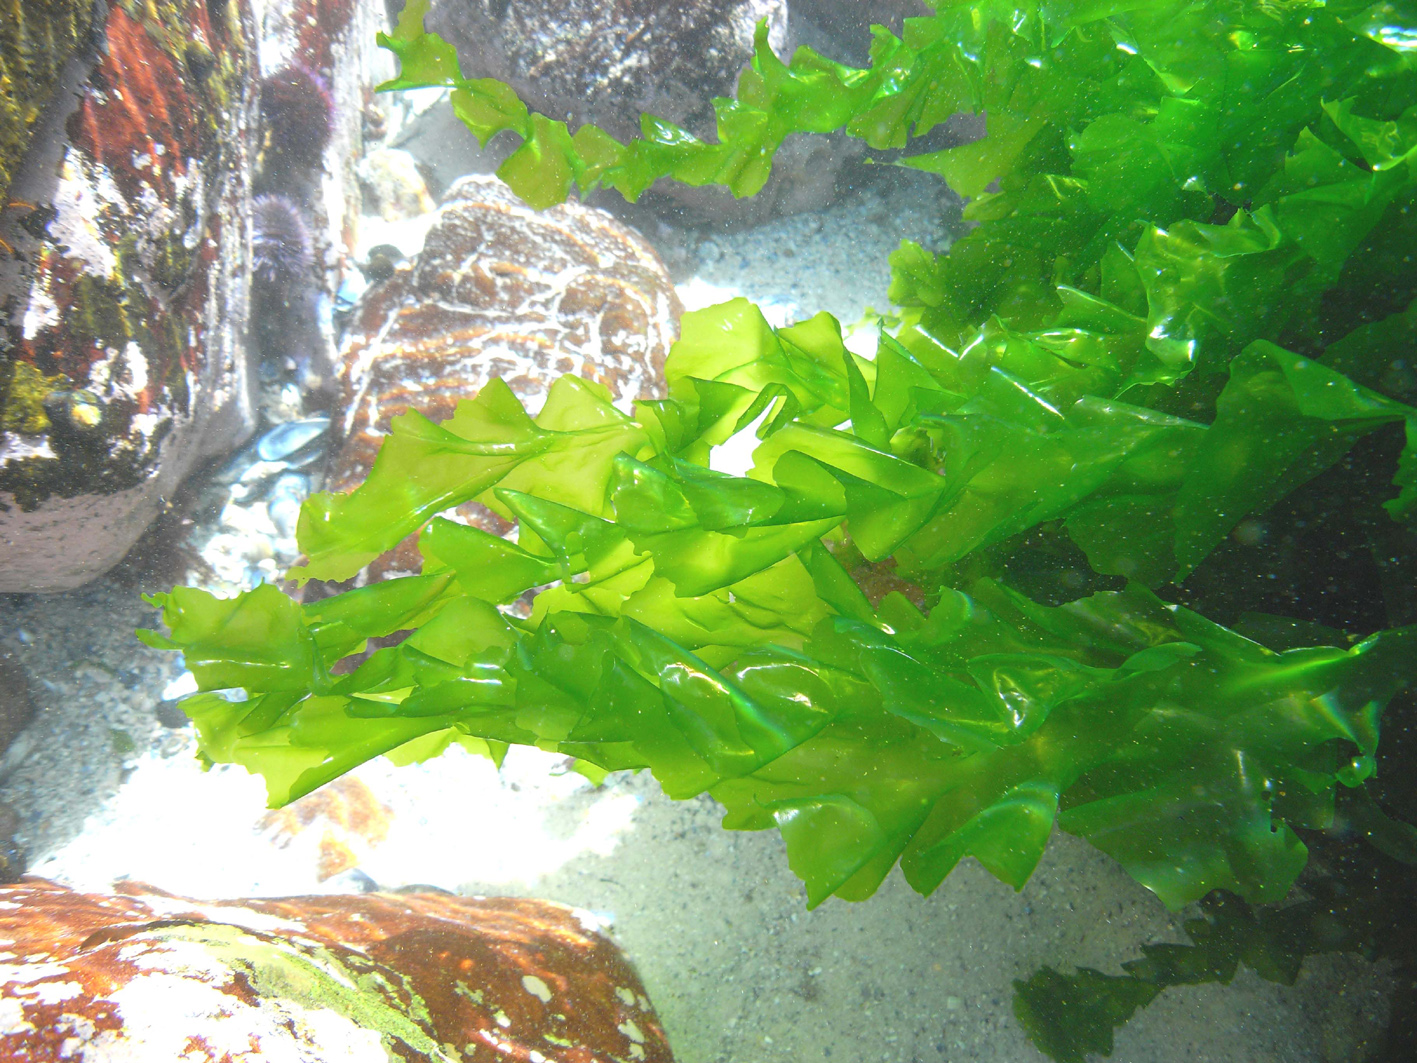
1068,1016
694,624
424,58
255,641
425,469
1165,195
1281,420
921,739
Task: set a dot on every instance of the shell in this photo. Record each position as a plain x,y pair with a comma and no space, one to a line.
286,439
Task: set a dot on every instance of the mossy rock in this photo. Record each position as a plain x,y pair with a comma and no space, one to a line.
37,37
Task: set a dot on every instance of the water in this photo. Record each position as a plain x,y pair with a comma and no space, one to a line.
105,785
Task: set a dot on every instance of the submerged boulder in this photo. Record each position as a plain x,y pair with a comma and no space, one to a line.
588,61
608,63
127,266
418,977
36,40
123,287
501,290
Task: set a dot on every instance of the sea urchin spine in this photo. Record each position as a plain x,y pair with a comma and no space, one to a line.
298,110
280,242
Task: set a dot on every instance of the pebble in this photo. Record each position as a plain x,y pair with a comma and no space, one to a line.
287,495
393,184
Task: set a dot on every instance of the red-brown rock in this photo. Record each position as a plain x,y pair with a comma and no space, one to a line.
145,975
501,290
123,292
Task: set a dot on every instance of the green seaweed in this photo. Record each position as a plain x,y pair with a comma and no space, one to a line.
1359,909
1137,347
702,630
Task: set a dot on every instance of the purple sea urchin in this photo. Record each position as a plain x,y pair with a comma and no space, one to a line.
297,109
280,242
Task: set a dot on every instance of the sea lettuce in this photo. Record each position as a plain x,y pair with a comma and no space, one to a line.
1134,348
1070,1015
694,623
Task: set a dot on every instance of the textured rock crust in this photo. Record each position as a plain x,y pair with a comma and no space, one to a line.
607,62
145,975
123,300
500,290
37,37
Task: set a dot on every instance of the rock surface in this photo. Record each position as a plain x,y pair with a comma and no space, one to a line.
36,40
502,290
607,63
319,62
146,975
588,61
123,294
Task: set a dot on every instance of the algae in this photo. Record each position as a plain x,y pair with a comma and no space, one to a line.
37,37
24,393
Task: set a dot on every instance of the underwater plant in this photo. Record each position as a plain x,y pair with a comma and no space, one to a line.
1188,293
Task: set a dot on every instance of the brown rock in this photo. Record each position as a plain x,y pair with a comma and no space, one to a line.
350,818
145,975
123,293
501,290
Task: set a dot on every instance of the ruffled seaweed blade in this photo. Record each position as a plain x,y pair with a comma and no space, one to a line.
1135,347
1189,291
702,630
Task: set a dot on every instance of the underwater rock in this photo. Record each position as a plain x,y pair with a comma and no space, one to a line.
123,290
350,819
36,40
353,978
848,23
589,61
608,63
500,290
